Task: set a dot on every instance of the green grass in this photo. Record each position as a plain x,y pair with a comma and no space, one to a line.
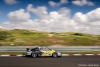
20,37
87,52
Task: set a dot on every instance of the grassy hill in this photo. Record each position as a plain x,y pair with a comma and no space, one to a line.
31,37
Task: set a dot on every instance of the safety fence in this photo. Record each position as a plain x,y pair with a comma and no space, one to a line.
58,48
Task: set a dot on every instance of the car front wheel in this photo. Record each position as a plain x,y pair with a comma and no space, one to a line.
34,55
55,55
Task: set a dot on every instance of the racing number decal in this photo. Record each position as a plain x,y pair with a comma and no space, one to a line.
47,53
43,53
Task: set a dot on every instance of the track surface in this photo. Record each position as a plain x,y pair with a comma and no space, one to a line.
76,61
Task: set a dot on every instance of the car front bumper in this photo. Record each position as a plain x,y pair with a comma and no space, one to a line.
28,53
59,54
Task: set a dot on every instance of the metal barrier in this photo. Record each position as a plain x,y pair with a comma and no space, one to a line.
58,48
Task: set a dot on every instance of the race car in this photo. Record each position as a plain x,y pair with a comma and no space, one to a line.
42,51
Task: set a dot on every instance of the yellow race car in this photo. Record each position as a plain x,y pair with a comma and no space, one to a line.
42,51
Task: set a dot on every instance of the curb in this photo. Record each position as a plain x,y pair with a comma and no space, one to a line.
80,54
5,55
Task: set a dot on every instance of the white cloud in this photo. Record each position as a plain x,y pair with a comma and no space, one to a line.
89,22
41,11
52,3
55,21
82,2
11,2
63,1
94,15
64,11
17,18
91,16
19,15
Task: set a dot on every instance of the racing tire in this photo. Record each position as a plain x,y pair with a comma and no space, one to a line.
34,55
59,56
55,55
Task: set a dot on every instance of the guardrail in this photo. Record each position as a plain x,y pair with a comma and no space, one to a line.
58,48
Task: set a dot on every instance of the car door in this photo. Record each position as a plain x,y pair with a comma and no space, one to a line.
47,52
43,52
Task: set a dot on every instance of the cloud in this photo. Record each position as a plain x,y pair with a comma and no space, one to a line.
11,2
40,11
89,22
64,11
17,18
63,1
83,2
54,21
52,3
91,16
19,15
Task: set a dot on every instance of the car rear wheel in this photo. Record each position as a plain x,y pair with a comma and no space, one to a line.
34,55
55,55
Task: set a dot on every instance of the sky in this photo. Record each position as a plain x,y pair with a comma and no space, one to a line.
51,15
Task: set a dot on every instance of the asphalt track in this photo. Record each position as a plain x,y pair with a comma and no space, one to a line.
75,61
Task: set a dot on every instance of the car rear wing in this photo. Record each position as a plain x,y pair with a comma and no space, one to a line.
27,48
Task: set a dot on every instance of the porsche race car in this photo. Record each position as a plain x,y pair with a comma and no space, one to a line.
42,51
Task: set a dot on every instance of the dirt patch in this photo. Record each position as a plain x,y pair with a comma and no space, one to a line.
50,35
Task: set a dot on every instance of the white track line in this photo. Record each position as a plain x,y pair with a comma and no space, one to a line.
5,55
77,54
98,54
89,54
65,54
19,55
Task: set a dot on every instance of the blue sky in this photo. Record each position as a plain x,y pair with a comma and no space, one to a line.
73,6
6,8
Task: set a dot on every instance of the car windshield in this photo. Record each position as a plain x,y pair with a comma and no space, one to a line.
43,49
